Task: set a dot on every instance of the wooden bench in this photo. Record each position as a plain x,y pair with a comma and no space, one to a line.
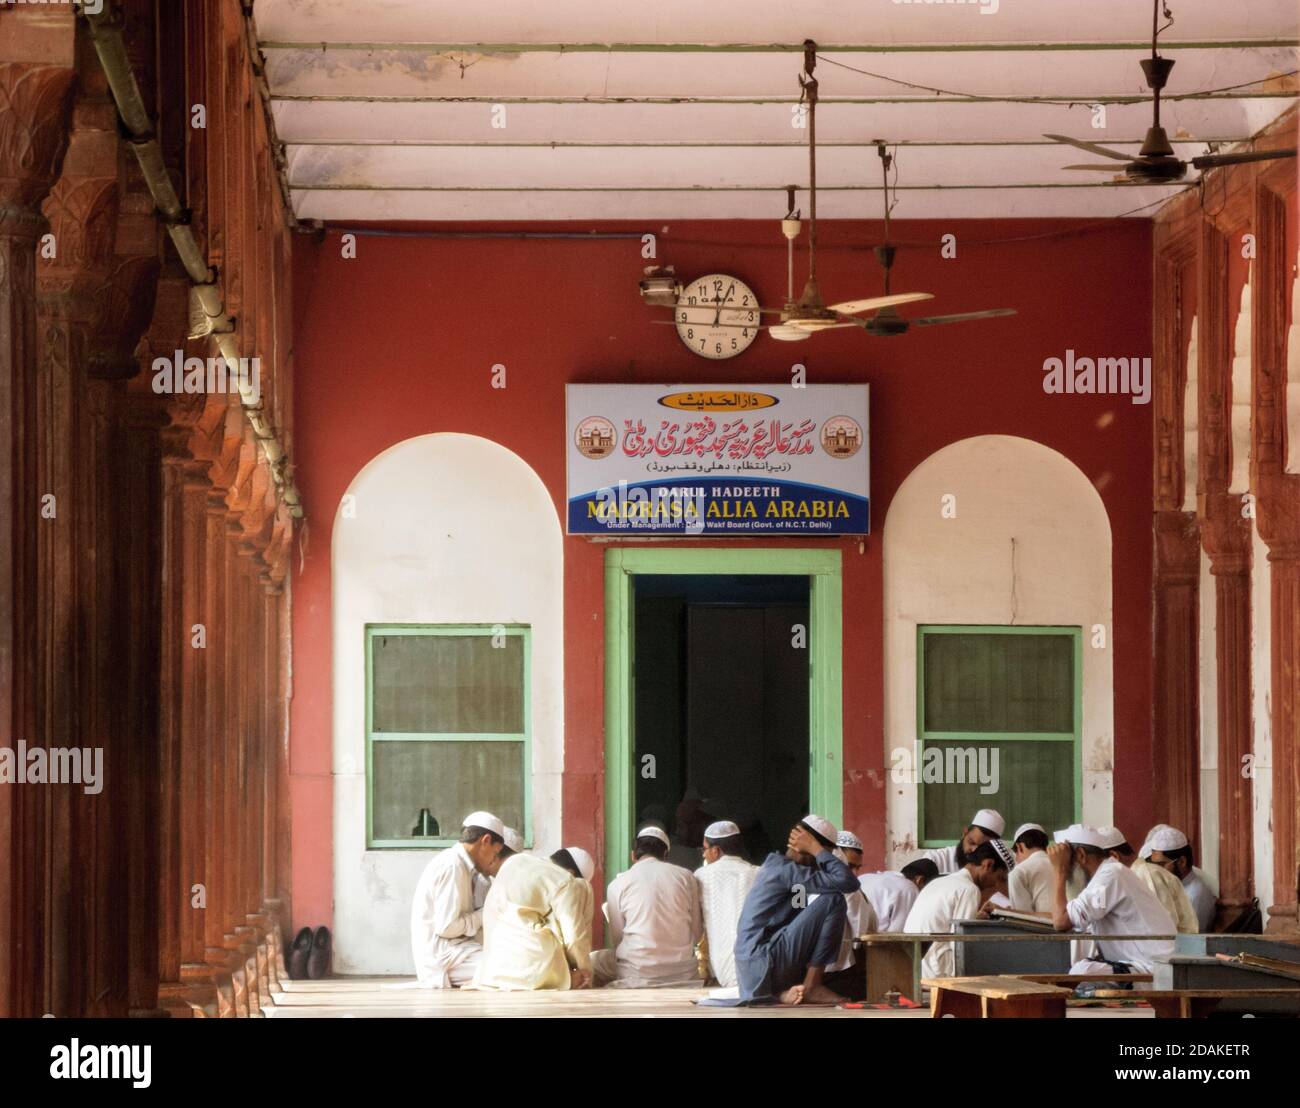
995,998
1193,1003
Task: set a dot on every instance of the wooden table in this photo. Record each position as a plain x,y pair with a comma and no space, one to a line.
995,998
893,958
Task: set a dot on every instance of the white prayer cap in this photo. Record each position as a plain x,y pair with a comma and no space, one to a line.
1027,827
585,862
487,821
514,840
991,820
1004,852
1167,839
1145,852
723,829
822,826
1111,837
847,840
1079,834
650,831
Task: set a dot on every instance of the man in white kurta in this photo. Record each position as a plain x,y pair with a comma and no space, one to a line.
1114,902
536,927
892,894
986,824
724,880
1030,884
445,926
953,897
1162,884
655,920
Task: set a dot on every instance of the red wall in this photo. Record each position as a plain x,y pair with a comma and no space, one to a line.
400,342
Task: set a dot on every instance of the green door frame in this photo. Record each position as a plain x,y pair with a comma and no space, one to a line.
825,684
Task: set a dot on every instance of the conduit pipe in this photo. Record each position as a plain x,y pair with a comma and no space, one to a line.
106,34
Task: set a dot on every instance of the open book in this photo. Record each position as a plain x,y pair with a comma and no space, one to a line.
1010,916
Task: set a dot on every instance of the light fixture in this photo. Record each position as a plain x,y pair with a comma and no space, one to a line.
660,287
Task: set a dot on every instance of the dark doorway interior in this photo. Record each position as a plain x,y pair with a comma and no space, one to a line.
721,680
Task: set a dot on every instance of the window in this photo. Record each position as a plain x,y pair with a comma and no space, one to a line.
447,728
998,708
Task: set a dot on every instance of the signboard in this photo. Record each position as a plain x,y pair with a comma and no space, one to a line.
717,460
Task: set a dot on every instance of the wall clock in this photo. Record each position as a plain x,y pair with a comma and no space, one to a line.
717,316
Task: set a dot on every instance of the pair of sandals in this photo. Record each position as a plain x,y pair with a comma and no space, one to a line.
309,956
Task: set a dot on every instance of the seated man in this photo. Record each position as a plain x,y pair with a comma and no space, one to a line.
1113,903
891,895
786,939
446,939
514,844
725,880
654,920
956,896
1159,881
1030,885
986,825
537,923
1171,851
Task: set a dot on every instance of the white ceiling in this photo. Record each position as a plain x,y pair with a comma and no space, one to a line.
680,109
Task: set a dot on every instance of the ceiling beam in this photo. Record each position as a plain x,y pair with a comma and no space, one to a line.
1084,101
768,48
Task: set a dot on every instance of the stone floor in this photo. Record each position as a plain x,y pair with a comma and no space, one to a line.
353,997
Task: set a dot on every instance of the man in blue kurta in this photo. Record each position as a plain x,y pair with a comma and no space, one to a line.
785,939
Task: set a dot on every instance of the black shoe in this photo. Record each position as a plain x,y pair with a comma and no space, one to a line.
318,962
299,953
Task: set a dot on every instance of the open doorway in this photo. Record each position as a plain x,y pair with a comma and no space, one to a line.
720,705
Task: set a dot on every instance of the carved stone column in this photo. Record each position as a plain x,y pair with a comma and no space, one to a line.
1176,580
34,103
1226,537
1177,588
1278,519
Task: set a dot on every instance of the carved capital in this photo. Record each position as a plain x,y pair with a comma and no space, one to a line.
1178,548
34,113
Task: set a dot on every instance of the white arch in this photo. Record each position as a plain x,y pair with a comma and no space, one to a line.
966,570
442,528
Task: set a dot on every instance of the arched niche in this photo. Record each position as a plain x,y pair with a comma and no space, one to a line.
443,529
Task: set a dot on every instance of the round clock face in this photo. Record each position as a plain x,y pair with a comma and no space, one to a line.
717,316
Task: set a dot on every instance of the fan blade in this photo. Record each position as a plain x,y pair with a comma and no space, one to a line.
963,316
714,326
1091,147
1097,168
1210,161
852,307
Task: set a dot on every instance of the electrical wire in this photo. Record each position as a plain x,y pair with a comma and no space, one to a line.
1077,102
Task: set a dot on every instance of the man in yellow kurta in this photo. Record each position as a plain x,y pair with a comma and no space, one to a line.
537,923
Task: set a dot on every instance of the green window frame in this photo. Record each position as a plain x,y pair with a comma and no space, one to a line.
974,738
460,630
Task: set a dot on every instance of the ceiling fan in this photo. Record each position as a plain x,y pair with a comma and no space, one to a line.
801,318
1155,163
887,321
